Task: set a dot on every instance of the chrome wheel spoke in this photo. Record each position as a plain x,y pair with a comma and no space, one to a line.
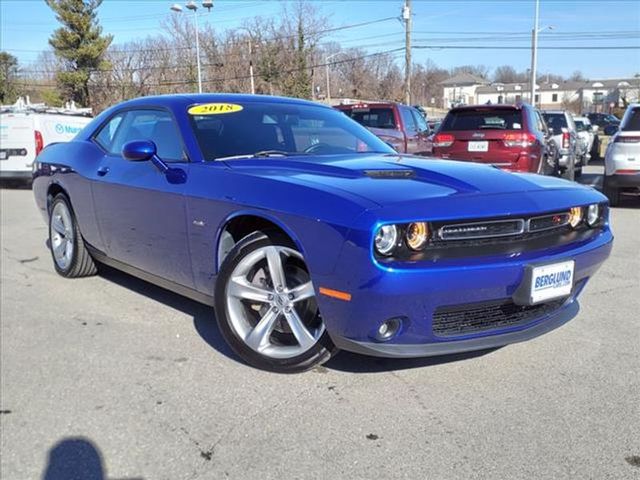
239,287
276,269
258,339
302,292
57,225
60,249
303,336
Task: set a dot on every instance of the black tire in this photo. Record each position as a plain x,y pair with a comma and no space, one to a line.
569,172
319,353
81,263
612,193
548,166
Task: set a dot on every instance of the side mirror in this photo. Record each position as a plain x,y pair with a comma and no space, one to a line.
594,128
610,130
139,150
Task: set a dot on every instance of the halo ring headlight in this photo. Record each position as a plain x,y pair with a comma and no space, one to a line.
386,239
575,216
416,235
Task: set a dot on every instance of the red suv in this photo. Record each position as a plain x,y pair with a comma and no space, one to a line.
511,137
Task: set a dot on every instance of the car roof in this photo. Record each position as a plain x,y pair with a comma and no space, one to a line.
183,100
492,106
369,104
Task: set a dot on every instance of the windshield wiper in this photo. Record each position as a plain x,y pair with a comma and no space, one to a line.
263,154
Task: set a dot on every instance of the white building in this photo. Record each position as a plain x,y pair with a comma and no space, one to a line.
461,89
590,95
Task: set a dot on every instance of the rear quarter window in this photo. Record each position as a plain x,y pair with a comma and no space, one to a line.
481,120
373,117
632,121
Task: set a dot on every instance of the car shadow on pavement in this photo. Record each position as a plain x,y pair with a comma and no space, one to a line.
205,324
203,315
352,362
76,458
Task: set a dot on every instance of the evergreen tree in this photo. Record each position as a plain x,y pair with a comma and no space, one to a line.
8,78
79,44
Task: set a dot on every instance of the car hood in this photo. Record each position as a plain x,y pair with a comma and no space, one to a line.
404,181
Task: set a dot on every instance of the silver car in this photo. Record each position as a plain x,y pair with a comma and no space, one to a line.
622,158
565,136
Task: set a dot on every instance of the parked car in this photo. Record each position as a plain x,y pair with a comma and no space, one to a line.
586,135
26,129
308,234
565,136
622,158
401,126
603,120
511,137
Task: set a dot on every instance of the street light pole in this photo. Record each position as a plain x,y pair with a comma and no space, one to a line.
191,5
534,52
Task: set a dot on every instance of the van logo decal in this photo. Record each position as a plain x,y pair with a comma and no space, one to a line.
60,129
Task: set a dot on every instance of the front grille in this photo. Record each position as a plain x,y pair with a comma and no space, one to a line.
496,228
480,317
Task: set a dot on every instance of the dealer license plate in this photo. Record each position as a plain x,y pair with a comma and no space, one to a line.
551,281
478,146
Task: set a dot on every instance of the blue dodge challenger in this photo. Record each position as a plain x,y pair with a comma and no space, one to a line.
308,234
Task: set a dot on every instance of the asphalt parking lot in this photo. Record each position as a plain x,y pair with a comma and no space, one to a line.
111,377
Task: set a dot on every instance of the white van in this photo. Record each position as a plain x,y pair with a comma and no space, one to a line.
26,129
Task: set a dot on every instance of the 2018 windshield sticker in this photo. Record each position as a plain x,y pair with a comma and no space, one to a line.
214,109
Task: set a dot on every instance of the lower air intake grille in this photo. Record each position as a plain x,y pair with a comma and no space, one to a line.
479,317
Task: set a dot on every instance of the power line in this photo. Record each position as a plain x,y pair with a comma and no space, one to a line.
244,77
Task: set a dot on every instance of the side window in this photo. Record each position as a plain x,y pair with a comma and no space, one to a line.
155,125
107,133
423,127
408,120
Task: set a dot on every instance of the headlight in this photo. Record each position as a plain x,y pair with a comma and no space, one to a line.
417,234
593,214
575,216
386,239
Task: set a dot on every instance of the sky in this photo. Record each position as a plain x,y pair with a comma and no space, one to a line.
25,26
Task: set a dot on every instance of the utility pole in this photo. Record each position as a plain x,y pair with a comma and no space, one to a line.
406,16
253,82
534,52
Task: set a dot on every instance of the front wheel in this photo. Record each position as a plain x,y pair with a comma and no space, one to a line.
70,256
266,307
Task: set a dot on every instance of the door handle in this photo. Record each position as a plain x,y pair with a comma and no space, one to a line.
102,171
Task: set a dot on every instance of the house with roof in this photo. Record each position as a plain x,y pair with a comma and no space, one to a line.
588,95
461,89
579,96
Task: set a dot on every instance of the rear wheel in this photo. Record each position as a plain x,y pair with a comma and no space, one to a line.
70,256
547,166
570,171
266,307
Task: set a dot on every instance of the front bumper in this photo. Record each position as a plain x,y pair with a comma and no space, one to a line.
415,293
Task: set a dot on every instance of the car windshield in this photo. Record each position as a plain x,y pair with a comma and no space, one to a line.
556,122
379,117
496,119
632,121
273,129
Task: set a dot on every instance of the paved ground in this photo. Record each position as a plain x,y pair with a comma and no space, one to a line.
110,377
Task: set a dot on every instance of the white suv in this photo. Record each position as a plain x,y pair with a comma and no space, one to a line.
622,158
